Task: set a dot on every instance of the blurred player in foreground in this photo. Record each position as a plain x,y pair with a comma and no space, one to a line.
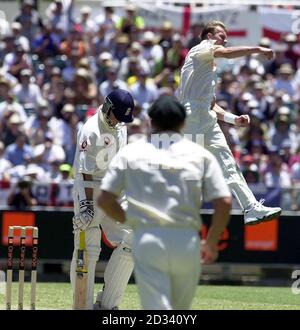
164,180
197,94
98,140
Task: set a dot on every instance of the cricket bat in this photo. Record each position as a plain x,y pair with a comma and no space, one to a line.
81,279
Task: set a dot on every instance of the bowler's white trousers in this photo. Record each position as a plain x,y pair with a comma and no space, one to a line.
214,140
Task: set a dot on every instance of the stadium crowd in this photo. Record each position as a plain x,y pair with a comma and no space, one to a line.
55,73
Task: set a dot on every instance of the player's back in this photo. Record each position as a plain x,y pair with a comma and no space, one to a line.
167,179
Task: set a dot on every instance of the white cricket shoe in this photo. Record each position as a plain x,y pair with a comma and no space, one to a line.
98,303
259,213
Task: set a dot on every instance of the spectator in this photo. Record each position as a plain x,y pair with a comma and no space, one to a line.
283,81
295,158
285,151
133,70
177,53
48,152
131,23
38,124
19,152
29,19
16,61
58,16
84,88
166,33
264,101
153,52
280,99
7,44
86,24
51,75
291,41
68,126
240,105
258,150
277,173
282,132
8,100
134,53
112,82
278,60
53,91
43,74
68,72
108,21
27,92
19,38
22,196
120,48
74,43
194,38
45,44
54,174
223,92
13,128
103,62
85,63
101,41
69,96
246,162
144,90
63,196
251,174
277,176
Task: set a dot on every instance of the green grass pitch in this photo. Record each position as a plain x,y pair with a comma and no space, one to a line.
208,297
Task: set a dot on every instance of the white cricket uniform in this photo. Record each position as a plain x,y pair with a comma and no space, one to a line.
96,145
196,92
164,188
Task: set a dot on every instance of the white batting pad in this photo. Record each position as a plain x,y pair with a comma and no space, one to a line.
116,276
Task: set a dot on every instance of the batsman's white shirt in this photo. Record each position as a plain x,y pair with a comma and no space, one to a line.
197,86
94,140
164,187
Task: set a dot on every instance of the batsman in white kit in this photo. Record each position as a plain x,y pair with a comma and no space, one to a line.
164,180
98,140
197,93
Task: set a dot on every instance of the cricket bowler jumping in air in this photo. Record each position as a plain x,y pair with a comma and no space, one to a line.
197,93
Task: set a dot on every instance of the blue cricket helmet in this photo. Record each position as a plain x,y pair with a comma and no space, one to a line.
122,105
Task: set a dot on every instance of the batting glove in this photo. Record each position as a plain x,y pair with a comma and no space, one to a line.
82,220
